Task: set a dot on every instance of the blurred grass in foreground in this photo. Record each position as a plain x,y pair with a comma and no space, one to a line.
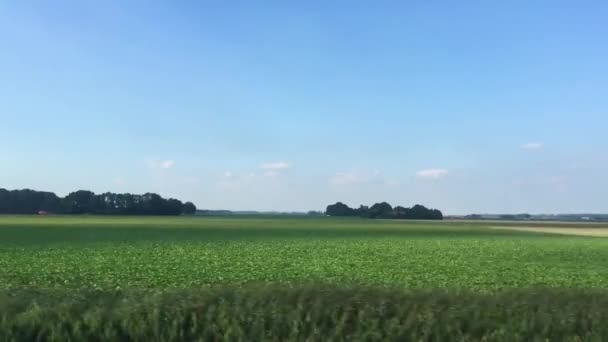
303,313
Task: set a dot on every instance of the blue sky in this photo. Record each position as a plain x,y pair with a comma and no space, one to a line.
467,106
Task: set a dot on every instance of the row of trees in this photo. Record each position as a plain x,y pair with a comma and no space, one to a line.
385,210
86,202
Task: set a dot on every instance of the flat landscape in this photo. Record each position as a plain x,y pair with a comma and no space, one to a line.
297,278
111,252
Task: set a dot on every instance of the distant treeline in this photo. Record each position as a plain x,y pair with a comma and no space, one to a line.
86,202
386,211
508,217
208,212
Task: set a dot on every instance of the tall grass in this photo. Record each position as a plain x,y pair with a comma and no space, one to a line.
304,313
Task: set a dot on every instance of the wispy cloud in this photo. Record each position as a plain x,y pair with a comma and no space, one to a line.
160,164
167,164
234,181
432,173
280,165
271,173
532,146
274,169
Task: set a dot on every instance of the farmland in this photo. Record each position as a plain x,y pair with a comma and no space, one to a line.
306,261
106,253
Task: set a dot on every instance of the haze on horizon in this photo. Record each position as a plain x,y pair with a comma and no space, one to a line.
466,107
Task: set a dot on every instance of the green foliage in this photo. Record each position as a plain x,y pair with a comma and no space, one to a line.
340,209
87,278
189,208
303,313
109,252
27,201
385,211
380,210
86,202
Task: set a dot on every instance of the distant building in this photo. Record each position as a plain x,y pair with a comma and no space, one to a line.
43,213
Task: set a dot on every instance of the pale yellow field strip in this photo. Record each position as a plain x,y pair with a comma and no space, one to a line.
597,232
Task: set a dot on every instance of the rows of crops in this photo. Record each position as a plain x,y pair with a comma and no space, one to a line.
280,277
437,263
97,254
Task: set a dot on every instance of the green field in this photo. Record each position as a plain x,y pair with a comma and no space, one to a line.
280,270
94,252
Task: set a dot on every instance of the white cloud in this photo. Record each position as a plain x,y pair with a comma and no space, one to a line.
532,146
432,173
234,181
281,165
271,173
160,164
248,178
167,164
274,169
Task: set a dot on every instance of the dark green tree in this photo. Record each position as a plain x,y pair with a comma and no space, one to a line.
362,211
189,208
79,202
381,210
86,202
339,209
384,210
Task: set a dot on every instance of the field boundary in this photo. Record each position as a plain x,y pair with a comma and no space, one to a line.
583,231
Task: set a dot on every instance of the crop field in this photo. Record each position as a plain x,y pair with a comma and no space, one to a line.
398,274
106,253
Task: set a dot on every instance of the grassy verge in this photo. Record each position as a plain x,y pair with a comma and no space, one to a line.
311,313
